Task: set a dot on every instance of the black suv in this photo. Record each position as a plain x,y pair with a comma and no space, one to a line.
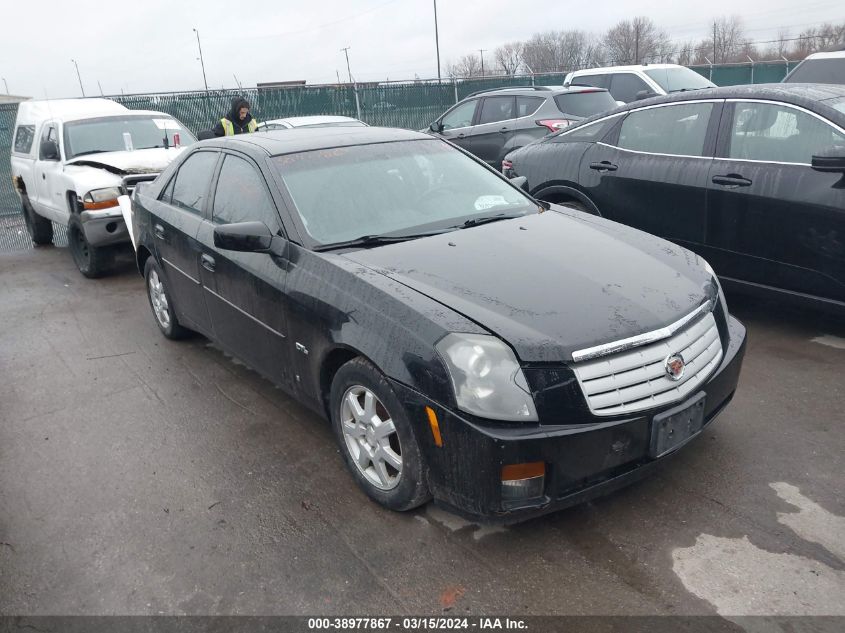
491,123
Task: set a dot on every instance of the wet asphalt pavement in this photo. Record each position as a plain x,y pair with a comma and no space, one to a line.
143,476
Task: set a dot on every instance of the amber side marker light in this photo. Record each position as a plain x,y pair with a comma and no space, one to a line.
523,481
435,426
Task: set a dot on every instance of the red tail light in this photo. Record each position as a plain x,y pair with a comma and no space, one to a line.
554,125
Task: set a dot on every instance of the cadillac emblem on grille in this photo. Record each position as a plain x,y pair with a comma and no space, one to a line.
675,366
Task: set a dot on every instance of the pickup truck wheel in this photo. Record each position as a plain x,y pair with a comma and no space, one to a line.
40,229
161,302
376,438
93,262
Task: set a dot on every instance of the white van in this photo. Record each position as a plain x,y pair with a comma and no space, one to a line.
72,158
632,83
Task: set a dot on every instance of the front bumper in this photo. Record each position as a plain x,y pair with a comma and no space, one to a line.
104,227
582,461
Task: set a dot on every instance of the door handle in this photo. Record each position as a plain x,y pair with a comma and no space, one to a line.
731,180
208,263
158,231
503,130
603,166
461,135
43,176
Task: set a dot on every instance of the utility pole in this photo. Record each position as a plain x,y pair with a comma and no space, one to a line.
437,41
714,41
101,88
481,54
348,69
202,61
78,76
636,41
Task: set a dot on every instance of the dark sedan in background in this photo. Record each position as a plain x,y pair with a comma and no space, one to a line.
466,343
750,177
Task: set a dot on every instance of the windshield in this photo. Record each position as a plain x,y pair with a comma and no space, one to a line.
678,79
584,104
123,133
819,71
394,188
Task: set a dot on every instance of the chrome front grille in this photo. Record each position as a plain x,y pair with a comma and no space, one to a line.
637,379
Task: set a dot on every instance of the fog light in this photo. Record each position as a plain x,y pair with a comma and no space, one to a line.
523,481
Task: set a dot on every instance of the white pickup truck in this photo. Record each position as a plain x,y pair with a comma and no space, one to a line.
73,158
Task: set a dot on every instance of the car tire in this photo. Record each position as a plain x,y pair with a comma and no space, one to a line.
161,303
384,460
92,261
40,229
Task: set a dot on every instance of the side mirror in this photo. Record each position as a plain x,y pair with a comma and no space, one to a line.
521,182
246,237
830,161
436,127
49,150
645,94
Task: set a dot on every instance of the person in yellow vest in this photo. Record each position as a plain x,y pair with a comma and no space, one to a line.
237,121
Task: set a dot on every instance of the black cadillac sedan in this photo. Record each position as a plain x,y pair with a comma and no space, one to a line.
466,343
750,177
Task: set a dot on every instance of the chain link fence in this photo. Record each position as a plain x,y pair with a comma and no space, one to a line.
411,104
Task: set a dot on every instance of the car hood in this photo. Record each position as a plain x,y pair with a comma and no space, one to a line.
138,161
551,283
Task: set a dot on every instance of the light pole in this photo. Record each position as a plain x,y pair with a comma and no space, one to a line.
346,52
78,76
437,41
202,62
7,85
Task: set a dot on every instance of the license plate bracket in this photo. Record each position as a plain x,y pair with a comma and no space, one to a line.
672,429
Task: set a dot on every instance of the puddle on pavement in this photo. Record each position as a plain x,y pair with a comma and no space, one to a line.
740,579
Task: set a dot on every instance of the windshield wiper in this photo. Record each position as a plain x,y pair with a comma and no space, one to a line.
376,240
487,219
152,147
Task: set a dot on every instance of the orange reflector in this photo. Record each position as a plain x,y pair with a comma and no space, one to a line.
435,426
105,204
523,471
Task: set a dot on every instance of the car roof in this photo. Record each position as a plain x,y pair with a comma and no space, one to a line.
30,112
616,69
828,55
533,91
293,140
297,121
806,95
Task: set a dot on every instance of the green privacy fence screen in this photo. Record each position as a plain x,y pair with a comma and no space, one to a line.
412,104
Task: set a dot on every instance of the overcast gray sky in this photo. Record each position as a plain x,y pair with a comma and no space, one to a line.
149,45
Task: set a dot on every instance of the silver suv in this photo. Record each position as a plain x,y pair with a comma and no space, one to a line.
491,123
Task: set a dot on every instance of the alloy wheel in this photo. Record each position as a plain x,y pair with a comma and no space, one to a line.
370,437
158,299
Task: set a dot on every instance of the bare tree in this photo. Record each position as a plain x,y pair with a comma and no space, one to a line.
635,41
726,42
559,51
466,66
509,57
685,53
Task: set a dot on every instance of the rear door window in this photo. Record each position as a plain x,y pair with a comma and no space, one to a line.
495,109
676,129
625,86
190,190
819,71
24,136
775,133
598,81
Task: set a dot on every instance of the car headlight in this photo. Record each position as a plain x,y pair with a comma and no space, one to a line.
102,198
487,378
